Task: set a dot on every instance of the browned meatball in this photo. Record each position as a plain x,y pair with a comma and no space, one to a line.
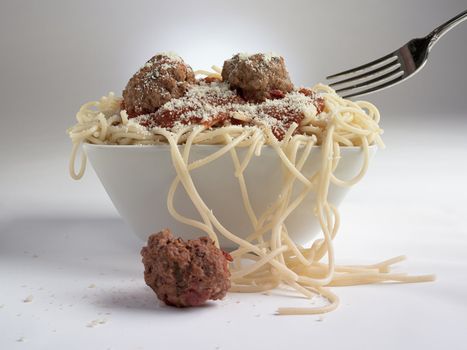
257,77
163,77
185,273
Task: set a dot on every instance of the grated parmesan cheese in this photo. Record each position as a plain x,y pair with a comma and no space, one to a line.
204,102
266,57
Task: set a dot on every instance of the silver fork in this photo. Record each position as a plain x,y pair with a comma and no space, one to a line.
393,68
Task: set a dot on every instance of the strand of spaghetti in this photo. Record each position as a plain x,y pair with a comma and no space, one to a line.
124,116
183,174
322,247
83,134
203,72
81,116
281,267
317,244
208,73
356,130
299,288
384,265
264,260
322,205
212,134
296,202
216,69
284,197
263,217
286,161
334,302
252,288
259,147
363,170
96,141
391,261
263,274
295,250
189,142
285,189
306,153
125,141
373,112
353,280
104,125
300,165
131,135
276,238
241,180
243,250
249,155
291,149
370,275
263,227
207,223
336,155
323,281
80,127
199,163
241,242
288,134
361,119
256,279
82,168
279,228
316,269
177,216
357,112
325,172
316,264
343,140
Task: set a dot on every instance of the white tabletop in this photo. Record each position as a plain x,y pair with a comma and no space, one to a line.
73,279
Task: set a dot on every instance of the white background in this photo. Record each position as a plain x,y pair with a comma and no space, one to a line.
58,237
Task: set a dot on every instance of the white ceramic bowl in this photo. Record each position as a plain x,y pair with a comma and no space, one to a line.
137,179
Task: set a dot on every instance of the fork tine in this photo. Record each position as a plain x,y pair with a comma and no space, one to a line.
372,81
377,87
392,66
367,65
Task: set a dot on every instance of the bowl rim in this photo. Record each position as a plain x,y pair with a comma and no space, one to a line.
199,146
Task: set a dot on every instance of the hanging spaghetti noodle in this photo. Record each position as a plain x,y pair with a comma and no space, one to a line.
326,120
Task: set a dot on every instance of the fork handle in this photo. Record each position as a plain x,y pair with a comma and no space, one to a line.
436,34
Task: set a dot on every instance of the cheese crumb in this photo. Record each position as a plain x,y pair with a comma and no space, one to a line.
172,55
97,322
28,299
267,57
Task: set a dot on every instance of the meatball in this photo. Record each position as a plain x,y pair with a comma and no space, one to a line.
163,77
183,273
257,77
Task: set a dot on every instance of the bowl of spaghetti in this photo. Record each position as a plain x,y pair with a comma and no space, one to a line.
251,179
239,155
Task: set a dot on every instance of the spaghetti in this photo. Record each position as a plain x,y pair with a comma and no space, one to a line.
268,257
